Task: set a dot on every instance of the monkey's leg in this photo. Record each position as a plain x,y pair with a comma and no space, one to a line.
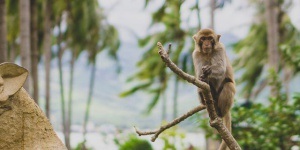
201,97
225,102
226,98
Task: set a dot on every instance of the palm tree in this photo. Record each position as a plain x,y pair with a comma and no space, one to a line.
102,36
152,71
12,21
77,31
273,38
253,68
63,108
47,52
34,48
25,38
3,50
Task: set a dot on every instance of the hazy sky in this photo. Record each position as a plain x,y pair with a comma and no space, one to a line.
130,16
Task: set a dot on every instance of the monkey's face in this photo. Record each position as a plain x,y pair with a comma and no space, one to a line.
206,44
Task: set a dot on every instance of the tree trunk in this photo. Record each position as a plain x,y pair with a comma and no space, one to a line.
273,38
47,53
88,105
25,38
12,52
287,73
34,50
3,50
63,110
212,14
69,118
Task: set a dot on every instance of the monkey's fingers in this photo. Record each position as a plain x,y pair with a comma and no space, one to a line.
206,70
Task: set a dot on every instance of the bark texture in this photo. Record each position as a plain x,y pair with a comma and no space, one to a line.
34,49
47,53
273,37
25,37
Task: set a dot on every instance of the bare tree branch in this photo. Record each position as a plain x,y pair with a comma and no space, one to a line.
215,121
171,124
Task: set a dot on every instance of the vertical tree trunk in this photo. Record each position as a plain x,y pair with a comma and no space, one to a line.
212,14
25,38
47,53
34,50
63,107
273,37
88,105
287,76
12,53
69,118
3,50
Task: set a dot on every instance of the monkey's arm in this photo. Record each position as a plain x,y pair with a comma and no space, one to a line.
218,65
197,63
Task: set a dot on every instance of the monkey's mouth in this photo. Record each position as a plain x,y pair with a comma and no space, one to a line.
1,88
206,50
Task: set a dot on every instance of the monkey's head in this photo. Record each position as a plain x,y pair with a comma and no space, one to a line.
206,39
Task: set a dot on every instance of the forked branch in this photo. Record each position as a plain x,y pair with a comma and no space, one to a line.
171,124
215,121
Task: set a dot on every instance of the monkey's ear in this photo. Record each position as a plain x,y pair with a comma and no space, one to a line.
218,37
14,77
195,37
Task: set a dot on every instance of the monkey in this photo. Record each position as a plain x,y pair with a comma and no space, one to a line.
212,66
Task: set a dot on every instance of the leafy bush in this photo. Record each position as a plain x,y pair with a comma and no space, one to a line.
256,126
133,143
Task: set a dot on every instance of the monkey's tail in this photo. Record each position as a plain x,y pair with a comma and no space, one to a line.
227,122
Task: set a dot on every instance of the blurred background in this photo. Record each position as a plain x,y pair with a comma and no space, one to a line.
95,71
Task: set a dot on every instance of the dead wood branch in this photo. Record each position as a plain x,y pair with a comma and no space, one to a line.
171,124
215,121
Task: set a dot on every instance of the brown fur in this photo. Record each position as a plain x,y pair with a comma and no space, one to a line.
221,69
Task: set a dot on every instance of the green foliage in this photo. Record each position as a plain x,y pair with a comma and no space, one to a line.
252,57
252,53
273,126
151,69
134,143
81,146
171,137
268,127
265,127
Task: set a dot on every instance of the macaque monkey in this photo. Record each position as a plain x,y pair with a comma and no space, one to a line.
213,67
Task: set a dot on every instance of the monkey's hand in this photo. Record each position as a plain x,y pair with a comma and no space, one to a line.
206,71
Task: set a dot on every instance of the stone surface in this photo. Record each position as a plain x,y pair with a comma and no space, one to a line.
23,125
